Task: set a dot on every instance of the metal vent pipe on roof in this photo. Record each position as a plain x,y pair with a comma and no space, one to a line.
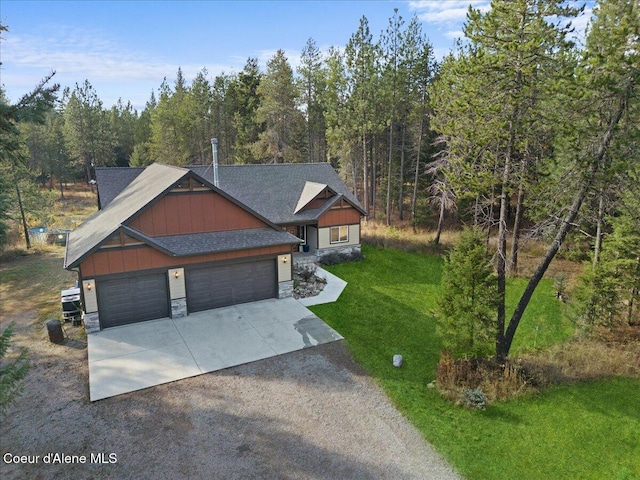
214,146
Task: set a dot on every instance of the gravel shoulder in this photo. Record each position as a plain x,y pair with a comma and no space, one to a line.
311,414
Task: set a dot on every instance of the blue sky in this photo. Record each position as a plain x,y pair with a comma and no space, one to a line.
126,48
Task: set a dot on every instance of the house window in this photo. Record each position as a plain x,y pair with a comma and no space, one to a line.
302,233
340,234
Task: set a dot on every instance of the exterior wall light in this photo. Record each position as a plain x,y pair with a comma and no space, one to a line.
284,259
176,274
88,286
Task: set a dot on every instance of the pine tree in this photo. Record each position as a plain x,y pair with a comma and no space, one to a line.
312,87
87,131
123,118
31,108
280,141
466,310
243,97
359,122
606,98
490,106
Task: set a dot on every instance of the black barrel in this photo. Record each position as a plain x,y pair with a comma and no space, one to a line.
54,327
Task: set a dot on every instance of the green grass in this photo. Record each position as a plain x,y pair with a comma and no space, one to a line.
590,430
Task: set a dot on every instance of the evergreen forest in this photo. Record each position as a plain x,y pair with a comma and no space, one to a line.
520,131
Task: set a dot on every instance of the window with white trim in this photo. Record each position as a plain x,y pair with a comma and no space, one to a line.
339,234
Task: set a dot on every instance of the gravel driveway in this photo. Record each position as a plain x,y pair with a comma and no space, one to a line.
311,414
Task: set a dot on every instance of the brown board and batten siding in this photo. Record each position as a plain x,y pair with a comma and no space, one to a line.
112,261
193,212
339,216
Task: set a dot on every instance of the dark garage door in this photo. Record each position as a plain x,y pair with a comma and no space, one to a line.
222,285
132,299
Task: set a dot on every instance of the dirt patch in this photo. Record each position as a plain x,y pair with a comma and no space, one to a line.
309,414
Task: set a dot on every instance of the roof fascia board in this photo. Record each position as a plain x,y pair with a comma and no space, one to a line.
129,231
332,202
146,240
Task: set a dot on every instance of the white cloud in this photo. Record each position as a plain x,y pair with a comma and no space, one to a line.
580,24
453,11
448,16
453,34
293,57
77,54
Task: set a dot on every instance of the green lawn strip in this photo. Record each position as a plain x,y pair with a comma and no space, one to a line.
544,322
562,433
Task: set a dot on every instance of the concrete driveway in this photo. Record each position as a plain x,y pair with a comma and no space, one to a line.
133,357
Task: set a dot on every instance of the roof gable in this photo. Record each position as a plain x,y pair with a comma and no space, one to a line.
310,192
146,187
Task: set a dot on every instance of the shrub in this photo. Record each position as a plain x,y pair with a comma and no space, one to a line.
474,399
334,258
305,273
476,381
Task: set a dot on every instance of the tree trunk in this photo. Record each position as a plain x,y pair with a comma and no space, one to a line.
563,231
365,183
401,182
540,271
310,124
634,294
515,238
501,259
414,197
23,218
416,174
440,220
389,175
598,243
59,164
373,182
490,217
354,175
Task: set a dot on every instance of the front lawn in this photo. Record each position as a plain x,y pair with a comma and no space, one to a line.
589,430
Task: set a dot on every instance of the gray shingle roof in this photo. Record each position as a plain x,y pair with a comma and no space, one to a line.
112,180
274,190
217,242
